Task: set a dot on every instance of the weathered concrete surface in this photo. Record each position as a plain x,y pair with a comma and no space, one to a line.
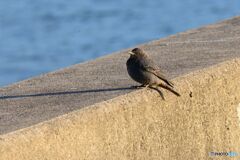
140,125
42,98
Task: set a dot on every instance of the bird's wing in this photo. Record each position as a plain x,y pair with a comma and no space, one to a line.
154,69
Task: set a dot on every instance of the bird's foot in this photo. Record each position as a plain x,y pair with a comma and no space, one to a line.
147,86
141,86
136,87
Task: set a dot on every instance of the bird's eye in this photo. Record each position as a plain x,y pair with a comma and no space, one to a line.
135,50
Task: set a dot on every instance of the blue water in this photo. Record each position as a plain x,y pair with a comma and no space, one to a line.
38,36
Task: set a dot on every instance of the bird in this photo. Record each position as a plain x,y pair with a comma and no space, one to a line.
143,70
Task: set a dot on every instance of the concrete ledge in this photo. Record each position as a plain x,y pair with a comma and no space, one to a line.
140,125
44,97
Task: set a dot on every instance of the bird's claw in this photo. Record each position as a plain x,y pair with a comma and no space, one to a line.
138,87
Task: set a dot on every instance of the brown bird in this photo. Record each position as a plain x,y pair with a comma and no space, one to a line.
142,69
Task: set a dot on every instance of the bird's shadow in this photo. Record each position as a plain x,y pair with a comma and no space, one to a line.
75,92
66,92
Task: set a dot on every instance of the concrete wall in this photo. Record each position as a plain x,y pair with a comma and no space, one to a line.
140,125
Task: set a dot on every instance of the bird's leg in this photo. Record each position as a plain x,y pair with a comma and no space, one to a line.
159,91
169,88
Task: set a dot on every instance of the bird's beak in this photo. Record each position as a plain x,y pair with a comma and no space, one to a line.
131,53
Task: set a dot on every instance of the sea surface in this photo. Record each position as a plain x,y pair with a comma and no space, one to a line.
38,36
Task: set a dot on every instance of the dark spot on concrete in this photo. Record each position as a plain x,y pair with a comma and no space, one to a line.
190,94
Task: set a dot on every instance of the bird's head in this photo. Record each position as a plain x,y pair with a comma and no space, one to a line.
137,52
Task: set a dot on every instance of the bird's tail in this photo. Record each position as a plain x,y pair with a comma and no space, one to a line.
169,88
